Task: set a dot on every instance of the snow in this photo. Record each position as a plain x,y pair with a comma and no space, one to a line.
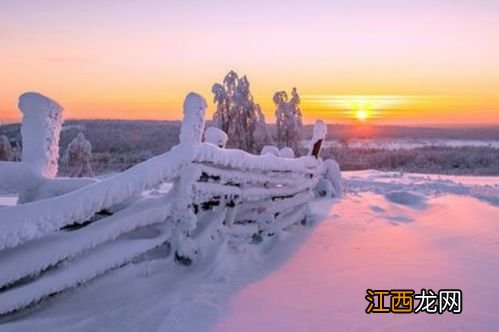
237,113
318,135
324,188
192,128
319,132
406,198
243,160
191,134
33,220
286,152
84,268
333,175
389,231
16,176
270,149
42,122
216,137
37,255
8,200
322,287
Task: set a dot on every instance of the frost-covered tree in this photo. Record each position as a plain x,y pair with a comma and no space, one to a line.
238,115
6,153
77,157
288,120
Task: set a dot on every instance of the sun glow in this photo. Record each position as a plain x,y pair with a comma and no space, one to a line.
362,114
363,108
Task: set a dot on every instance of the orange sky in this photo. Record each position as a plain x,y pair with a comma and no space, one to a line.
426,62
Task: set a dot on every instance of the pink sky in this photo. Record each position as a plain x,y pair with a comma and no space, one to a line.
131,59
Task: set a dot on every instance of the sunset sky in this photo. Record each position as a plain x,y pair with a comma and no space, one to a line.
382,61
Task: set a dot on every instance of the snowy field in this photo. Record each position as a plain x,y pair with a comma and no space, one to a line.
390,231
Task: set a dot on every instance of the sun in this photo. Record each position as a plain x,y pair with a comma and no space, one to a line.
362,114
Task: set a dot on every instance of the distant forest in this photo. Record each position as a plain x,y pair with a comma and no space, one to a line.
120,144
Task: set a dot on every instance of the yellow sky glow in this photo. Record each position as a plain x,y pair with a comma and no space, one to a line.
425,62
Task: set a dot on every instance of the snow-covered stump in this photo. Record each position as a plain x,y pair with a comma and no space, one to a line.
191,134
42,122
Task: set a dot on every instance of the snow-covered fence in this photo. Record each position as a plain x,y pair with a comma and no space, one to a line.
218,194
260,187
34,177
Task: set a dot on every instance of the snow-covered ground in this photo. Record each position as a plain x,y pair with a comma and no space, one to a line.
390,231
8,200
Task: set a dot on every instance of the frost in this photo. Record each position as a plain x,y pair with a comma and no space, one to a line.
77,157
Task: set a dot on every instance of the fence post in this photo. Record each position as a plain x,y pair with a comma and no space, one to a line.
191,133
319,135
42,122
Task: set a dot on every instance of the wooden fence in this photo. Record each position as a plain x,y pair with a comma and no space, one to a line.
68,231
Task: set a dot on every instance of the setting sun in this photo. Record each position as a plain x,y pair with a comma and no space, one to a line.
361,115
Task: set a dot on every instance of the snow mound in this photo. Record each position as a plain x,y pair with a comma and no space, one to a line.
270,149
215,136
333,174
407,198
286,153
